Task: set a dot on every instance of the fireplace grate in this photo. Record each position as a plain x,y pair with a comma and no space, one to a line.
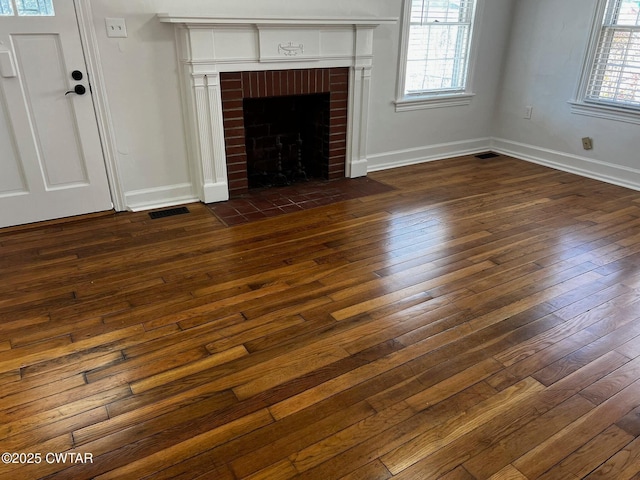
169,212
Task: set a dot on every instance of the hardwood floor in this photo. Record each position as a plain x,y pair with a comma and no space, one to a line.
480,321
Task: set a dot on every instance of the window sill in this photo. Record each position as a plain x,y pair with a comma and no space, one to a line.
606,112
433,101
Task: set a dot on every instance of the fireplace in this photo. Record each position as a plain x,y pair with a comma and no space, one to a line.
295,118
225,61
286,139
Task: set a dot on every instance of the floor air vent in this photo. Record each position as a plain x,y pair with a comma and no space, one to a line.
484,156
169,212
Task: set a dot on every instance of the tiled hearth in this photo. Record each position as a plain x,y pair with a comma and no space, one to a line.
263,203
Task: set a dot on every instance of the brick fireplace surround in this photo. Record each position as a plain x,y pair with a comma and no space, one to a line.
313,55
236,86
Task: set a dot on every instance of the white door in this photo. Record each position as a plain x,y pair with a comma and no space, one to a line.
51,162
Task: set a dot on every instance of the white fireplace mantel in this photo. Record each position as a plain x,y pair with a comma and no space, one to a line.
208,46
272,20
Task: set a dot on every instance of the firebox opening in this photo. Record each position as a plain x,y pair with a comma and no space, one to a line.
287,139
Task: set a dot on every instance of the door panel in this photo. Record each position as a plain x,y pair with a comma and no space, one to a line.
46,107
51,162
11,174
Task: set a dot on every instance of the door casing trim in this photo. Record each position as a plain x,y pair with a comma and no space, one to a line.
104,119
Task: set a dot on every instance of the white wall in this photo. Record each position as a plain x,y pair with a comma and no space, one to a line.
543,66
141,81
412,136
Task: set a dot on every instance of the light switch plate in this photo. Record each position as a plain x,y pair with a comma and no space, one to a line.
116,27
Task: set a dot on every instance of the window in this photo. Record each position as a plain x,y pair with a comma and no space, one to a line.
436,53
611,81
6,8
26,7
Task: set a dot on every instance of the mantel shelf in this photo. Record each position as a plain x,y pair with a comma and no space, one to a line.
281,21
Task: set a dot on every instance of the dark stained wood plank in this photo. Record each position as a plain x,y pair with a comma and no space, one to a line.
541,458
497,430
409,453
172,455
509,473
537,361
372,471
123,421
608,386
591,455
361,455
288,444
479,320
499,455
623,465
586,354
458,473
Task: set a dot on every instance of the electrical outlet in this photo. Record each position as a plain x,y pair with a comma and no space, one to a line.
587,143
116,27
528,111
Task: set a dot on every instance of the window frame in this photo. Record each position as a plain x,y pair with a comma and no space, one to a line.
581,104
431,98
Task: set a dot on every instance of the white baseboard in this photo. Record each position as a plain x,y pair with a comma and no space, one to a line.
161,197
586,167
412,156
180,194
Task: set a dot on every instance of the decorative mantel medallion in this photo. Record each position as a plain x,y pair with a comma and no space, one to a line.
290,50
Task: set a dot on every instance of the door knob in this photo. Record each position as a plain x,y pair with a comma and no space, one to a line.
76,75
78,90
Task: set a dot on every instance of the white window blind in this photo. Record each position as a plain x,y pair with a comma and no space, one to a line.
439,45
615,74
